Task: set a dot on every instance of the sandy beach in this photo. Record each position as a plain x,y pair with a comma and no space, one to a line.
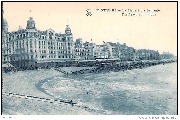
147,91
23,82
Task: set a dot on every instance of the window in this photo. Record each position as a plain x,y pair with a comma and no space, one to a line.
30,34
23,43
17,44
20,44
35,43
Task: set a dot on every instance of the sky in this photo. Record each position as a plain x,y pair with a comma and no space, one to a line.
141,32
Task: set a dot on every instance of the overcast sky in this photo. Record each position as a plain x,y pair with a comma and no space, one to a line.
156,32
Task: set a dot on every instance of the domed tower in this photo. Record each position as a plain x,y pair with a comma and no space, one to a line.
69,42
68,30
30,23
4,31
5,26
5,43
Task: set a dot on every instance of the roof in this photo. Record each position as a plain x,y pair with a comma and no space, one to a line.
112,44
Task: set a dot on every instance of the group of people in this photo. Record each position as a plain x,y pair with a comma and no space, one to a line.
107,67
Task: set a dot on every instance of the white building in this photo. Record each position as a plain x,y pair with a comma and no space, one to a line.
103,51
79,49
27,46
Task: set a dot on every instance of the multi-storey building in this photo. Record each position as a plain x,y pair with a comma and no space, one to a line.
89,50
121,52
79,49
84,51
127,53
5,43
101,51
145,54
167,55
116,50
31,46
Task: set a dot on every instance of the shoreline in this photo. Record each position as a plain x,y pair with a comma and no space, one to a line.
29,87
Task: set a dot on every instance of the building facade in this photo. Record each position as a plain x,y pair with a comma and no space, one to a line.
79,49
89,50
144,54
32,47
6,51
167,55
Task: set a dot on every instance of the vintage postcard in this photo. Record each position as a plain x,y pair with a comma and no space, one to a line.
89,58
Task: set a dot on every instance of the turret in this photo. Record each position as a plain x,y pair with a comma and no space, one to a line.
30,23
5,26
68,30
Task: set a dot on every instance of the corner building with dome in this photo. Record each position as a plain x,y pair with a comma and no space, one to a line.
31,47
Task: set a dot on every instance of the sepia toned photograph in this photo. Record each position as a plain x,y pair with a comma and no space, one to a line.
89,58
